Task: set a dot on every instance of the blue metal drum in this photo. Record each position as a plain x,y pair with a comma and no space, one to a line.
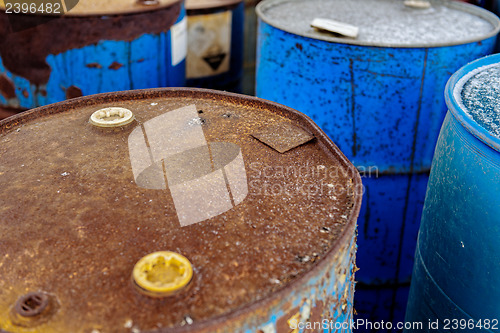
379,97
215,44
456,279
95,47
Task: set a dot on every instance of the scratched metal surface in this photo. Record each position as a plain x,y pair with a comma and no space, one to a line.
76,217
96,54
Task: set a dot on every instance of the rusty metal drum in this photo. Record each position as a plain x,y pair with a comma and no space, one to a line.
250,47
174,210
90,48
215,44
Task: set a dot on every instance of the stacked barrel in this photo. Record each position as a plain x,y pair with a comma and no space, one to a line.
375,86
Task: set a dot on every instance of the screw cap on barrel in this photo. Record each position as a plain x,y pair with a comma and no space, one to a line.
162,273
111,117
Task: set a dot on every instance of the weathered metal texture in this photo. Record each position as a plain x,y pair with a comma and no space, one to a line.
457,275
108,7
87,206
218,63
383,107
95,54
389,222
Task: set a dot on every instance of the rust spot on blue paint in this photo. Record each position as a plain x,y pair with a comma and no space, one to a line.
115,65
7,87
94,65
73,92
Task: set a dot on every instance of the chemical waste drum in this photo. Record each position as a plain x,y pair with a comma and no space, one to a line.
456,277
378,96
89,47
215,44
174,210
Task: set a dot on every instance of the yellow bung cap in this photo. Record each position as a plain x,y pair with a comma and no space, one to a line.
162,273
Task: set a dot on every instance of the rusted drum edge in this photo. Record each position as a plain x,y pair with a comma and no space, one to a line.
109,7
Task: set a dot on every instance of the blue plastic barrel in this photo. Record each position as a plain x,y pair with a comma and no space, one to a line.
95,47
379,97
456,279
215,44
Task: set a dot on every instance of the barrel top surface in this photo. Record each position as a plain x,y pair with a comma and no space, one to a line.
208,4
198,173
386,23
473,95
110,7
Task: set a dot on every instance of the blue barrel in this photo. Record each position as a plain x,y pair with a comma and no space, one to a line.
379,97
456,279
215,44
96,47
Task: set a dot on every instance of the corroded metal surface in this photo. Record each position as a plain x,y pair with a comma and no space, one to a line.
78,210
383,106
24,52
109,7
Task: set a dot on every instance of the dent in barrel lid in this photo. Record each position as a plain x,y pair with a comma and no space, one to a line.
384,22
86,210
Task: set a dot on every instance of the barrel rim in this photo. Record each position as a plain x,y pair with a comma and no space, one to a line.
210,4
120,10
11,123
493,19
457,110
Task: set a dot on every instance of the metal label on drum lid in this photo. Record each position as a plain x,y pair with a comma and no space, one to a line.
209,44
179,41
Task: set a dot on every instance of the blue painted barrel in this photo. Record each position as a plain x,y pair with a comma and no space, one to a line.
379,97
215,44
96,47
457,270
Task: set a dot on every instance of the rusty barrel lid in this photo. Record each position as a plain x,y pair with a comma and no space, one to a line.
209,4
384,23
99,8
238,197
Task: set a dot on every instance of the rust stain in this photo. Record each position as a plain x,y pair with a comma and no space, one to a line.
7,87
115,65
43,92
24,52
299,46
26,93
73,92
282,325
316,316
94,65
